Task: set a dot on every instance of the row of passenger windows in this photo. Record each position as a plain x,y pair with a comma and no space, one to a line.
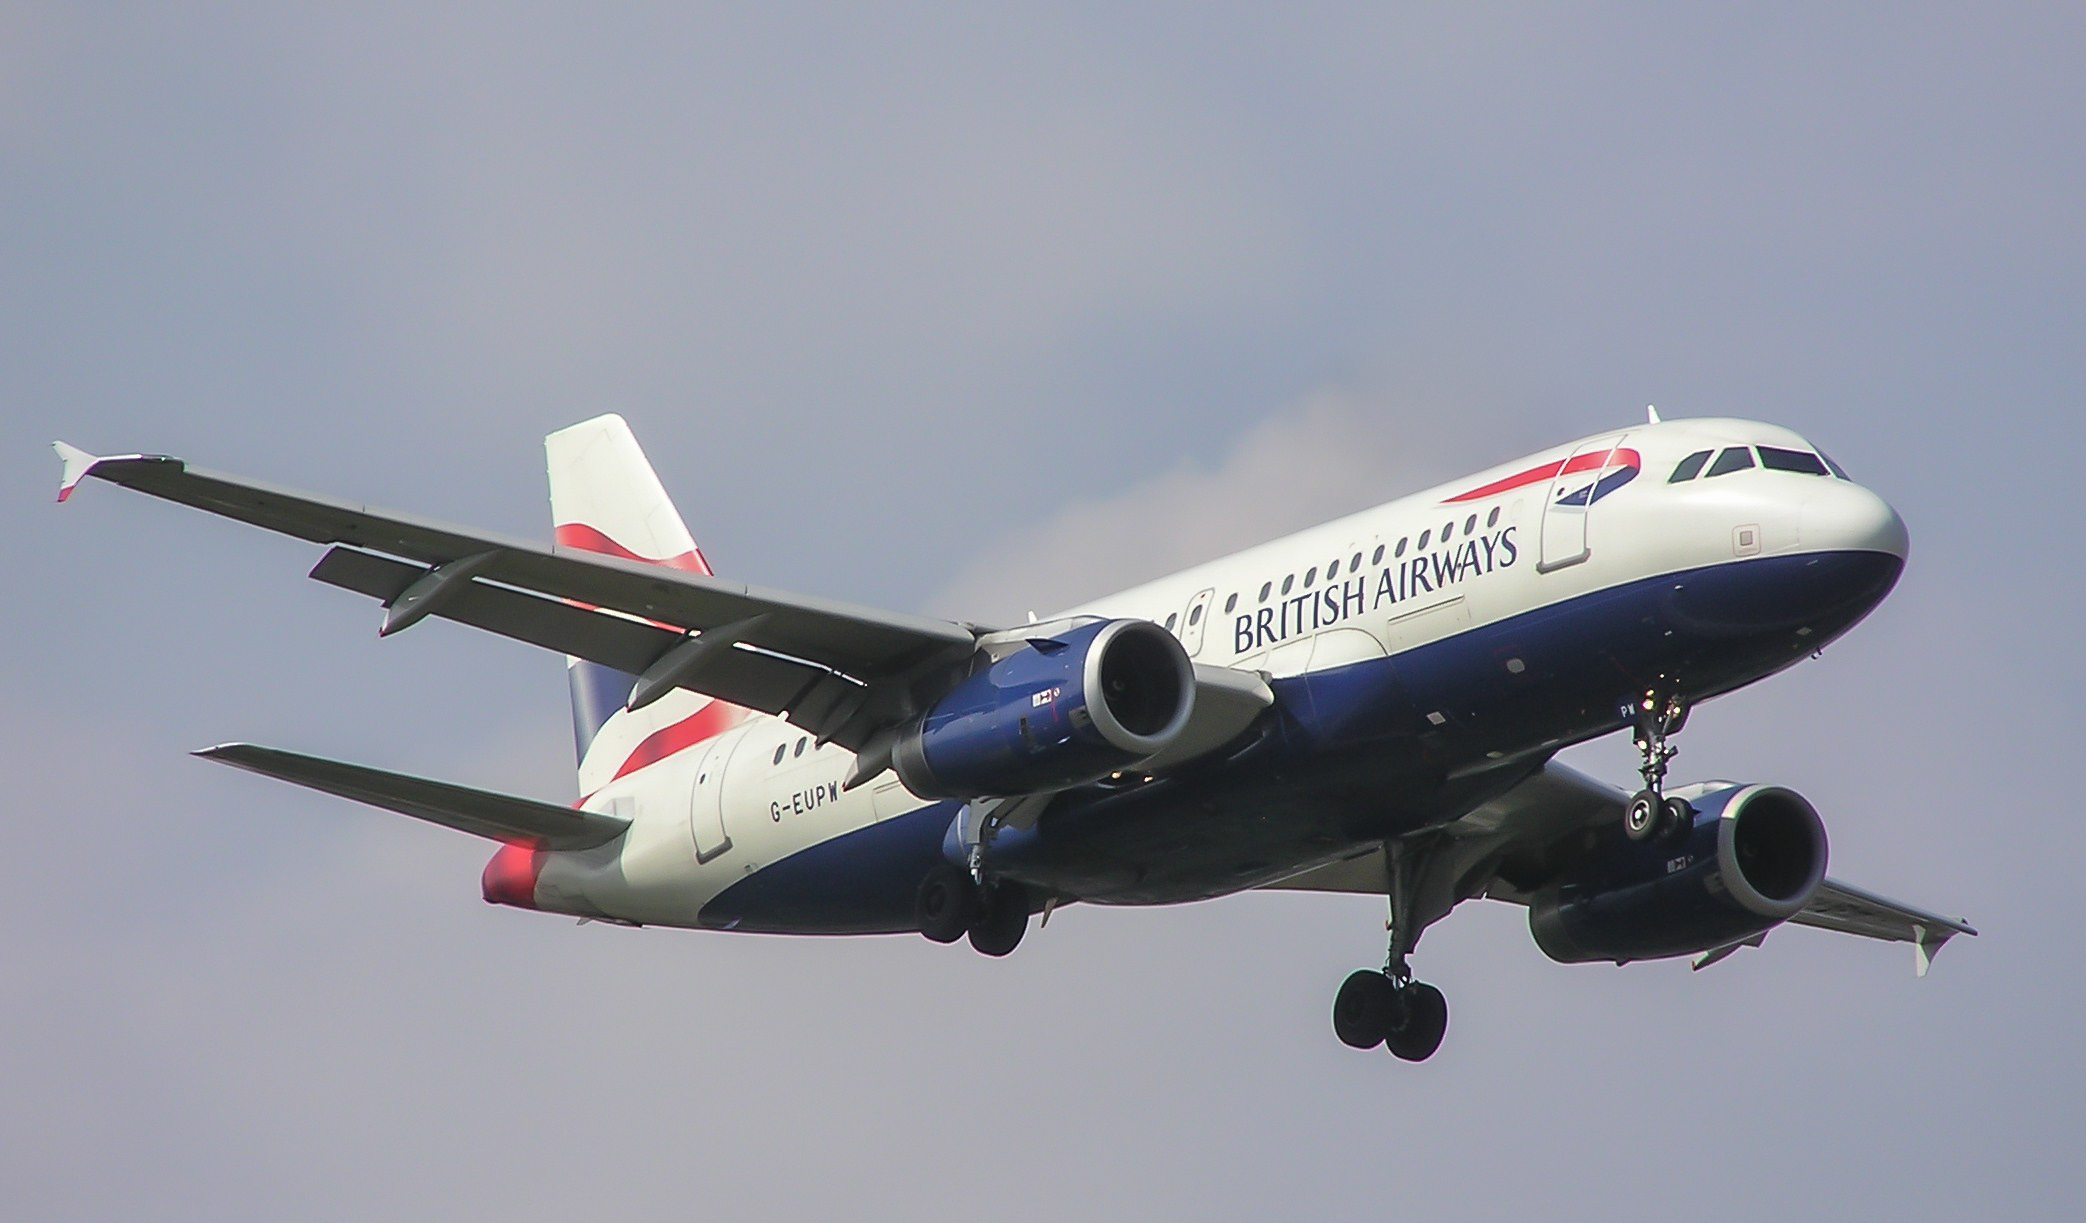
1353,565
1739,458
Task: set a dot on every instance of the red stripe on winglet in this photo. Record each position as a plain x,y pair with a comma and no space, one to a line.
1591,461
586,539
510,878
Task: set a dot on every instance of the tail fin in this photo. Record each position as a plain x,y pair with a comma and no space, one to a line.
605,497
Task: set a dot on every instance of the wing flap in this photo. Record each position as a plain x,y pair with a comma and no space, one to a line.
498,817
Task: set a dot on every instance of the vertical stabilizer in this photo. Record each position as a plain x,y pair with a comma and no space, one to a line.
605,498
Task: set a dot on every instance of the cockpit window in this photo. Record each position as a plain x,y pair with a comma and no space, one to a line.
1835,468
1737,458
1689,468
1776,459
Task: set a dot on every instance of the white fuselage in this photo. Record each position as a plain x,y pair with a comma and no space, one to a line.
711,813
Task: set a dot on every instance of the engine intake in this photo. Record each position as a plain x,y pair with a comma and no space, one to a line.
1053,712
1753,858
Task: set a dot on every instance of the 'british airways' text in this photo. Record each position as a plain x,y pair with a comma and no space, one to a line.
1393,584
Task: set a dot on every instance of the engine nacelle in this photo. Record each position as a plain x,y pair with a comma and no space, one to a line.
1056,711
1752,860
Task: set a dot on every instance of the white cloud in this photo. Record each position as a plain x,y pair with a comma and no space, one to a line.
1334,453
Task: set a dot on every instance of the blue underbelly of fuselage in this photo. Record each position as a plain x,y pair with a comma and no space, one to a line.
1355,754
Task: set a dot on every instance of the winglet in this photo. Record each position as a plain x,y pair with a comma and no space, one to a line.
1927,943
77,464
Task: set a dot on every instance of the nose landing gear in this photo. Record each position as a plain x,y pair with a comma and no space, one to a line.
1650,813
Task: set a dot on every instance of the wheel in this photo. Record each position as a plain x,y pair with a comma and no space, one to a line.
1001,920
1642,817
1677,819
945,905
1419,1019
1362,1009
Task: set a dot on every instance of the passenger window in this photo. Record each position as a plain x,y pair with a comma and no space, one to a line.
1354,563
1689,468
1401,548
780,748
1447,529
1737,458
1265,588
1310,576
800,747
1288,582
1378,558
1229,603
1195,615
1424,537
1492,519
1170,618
1470,524
1333,570
1803,461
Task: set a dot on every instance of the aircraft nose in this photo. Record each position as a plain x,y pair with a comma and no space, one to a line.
1841,516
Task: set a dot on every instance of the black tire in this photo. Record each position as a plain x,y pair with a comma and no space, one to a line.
1419,1019
946,904
1676,820
1001,920
1362,1009
1643,818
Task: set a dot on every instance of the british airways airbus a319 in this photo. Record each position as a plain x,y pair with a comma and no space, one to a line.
1369,706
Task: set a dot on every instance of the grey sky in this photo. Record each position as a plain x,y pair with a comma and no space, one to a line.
971,313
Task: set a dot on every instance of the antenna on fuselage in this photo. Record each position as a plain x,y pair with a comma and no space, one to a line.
1652,415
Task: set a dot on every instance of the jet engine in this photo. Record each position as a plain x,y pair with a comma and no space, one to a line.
1054,711
1751,859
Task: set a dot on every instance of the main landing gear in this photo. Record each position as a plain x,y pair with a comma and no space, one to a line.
1389,1008
951,904
1650,813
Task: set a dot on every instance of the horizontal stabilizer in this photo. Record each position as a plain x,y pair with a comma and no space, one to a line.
499,817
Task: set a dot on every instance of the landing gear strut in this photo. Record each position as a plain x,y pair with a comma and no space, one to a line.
1389,1008
1650,813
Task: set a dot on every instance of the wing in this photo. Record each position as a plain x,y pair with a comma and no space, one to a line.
1551,803
842,671
1850,910
499,817
1499,849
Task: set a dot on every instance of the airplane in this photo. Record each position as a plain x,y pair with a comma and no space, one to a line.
1369,706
